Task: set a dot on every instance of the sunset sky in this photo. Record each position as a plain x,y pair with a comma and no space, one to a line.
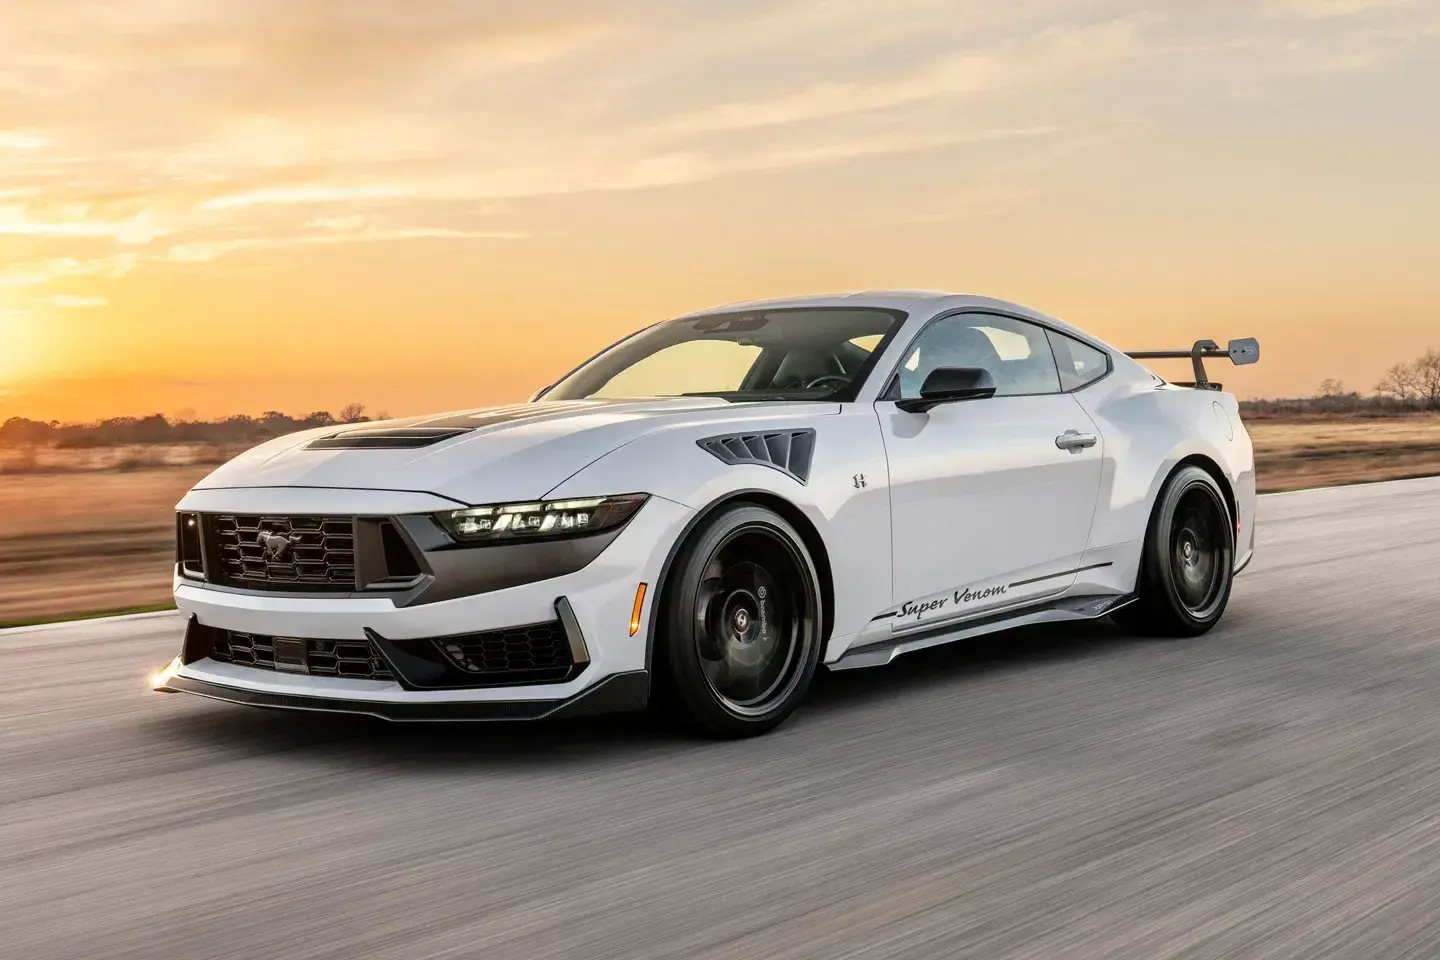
210,207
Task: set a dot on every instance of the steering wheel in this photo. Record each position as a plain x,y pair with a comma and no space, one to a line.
841,380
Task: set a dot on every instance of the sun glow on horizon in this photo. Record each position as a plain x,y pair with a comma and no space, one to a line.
17,344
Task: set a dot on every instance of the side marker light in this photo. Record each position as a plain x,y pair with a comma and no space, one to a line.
635,613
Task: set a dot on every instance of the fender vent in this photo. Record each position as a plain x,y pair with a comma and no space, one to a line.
788,451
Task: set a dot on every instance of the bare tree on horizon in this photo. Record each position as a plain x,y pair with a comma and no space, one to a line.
1427,370
1418,380
1400,382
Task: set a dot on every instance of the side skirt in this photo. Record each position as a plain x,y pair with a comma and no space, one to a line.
1051,611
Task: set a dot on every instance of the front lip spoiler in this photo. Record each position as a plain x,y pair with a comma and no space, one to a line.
1243,564
617,693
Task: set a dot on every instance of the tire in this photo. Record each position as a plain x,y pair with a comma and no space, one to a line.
1188,560
741,624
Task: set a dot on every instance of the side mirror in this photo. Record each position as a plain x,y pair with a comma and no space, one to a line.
1244,351
950,385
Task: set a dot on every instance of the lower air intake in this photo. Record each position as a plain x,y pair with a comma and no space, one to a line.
539,653
317,658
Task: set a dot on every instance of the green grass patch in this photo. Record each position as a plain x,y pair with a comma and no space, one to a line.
94,615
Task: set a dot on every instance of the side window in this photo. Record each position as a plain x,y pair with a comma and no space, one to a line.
1016,353
1079,363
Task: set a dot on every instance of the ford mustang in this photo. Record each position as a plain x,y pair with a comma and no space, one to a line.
707,512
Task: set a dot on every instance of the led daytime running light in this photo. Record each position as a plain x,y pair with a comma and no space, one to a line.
545,519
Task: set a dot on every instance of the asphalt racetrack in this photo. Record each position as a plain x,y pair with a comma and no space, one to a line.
1270,790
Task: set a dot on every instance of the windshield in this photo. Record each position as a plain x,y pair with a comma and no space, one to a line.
786,354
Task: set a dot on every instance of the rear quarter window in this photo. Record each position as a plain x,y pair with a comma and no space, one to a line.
1079,363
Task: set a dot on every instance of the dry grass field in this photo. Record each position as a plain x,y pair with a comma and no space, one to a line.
85,541
1322,451
89,531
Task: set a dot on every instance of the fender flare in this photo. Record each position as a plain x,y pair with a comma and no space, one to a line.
1198,457
765,498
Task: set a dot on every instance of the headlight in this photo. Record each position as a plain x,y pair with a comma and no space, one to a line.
541,520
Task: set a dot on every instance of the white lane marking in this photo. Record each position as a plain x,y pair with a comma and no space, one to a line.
98,621
1351,486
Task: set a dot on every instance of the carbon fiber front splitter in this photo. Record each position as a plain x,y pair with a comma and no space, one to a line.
617,693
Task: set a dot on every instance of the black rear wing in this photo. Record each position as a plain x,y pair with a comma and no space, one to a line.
1238,352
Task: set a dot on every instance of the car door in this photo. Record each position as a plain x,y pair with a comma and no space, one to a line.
991,499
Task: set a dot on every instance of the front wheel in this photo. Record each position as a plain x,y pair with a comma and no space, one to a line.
742,625
1188,560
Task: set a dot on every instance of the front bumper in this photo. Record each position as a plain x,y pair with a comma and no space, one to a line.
595,603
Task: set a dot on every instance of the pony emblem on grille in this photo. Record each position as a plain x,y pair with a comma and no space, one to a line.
278,547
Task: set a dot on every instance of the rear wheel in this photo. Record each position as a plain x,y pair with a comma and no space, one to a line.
742,625
1188,560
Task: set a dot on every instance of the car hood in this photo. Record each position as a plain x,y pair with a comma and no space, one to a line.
488,455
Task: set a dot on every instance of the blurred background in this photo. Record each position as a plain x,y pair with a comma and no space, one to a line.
220,222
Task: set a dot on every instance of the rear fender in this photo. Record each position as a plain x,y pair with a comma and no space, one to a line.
1149,430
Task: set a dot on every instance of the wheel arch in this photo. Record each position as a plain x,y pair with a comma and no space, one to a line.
1227,489
792,514
1211,467
1156,607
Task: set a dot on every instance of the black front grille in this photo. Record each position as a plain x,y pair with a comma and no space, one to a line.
317,658
285,553
539,653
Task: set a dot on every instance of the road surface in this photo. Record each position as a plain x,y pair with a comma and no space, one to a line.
1270,790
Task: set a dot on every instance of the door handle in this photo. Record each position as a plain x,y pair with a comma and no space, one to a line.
1075,441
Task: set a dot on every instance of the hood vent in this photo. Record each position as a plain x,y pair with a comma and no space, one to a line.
788,451
385,438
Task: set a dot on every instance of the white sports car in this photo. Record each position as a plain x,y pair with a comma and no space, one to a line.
706,512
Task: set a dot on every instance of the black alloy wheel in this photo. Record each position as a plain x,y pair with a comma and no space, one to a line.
742,624
1199,548
1187,564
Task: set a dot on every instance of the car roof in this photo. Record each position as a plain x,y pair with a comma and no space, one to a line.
882,299
923,304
